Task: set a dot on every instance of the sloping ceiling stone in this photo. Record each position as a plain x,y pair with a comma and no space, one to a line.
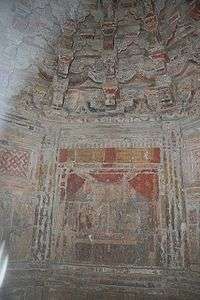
63,59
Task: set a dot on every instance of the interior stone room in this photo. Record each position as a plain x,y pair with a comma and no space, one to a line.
100,149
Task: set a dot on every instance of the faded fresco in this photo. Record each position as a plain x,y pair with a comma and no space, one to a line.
111,212
99,149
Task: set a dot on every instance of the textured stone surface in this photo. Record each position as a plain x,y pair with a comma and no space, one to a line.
100,149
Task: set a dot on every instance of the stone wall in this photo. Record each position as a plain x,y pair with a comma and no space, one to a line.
99,149
100,213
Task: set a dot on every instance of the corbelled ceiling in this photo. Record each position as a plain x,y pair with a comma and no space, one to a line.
100,149
63,59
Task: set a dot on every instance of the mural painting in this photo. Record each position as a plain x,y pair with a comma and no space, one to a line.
110,210
99,148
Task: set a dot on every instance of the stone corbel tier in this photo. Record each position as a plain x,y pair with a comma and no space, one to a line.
111,90
65,58
108,30
60,80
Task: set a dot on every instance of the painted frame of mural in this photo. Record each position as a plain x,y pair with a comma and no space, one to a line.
108,204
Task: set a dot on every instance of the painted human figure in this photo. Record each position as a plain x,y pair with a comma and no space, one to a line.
85,220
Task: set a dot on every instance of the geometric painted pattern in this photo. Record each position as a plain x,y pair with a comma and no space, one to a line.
14,162
110,155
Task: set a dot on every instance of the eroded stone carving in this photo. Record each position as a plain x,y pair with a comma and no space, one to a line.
107,56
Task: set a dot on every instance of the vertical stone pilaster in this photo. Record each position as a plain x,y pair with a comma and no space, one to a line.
175,210
46,165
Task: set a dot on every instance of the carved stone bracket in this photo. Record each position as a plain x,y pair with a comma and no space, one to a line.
111,90
108,30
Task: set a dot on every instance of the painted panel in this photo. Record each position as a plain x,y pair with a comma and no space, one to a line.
110,155
14,162
110,214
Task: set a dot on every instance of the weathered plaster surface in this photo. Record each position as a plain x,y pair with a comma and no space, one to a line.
99,149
